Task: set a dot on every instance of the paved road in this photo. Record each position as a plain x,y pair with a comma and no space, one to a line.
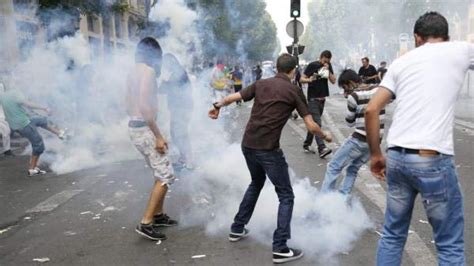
88,217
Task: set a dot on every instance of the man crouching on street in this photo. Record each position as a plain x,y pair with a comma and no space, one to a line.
274,101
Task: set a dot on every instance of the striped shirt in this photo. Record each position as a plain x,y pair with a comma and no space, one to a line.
356,103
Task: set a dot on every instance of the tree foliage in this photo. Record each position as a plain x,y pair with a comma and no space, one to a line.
240,29
369,27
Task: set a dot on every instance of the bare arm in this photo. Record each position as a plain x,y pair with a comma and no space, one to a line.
372,125
306,79
315,129
148,112
214,112
34,106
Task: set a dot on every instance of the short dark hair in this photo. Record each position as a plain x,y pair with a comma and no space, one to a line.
432,24
286,63
346,76
383,63
366,59
326,54
149,53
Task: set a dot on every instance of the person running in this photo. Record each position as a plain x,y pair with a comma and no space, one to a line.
237,77
317,74
354,152
420,141
274,100
13,104
141,102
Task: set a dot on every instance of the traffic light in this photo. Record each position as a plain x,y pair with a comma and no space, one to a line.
295,8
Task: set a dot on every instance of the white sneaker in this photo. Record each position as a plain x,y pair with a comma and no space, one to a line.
62,134
36,171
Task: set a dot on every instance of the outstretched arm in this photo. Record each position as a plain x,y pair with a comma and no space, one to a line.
214,112
34,106
315,129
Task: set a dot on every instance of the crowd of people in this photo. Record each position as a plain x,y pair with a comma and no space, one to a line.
419,158
420,140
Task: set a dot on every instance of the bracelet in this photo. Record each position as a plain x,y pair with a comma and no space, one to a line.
215,106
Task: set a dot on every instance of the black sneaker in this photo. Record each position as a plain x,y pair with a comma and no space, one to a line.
234,237
324,152
150,231
163,220
308,149
286,255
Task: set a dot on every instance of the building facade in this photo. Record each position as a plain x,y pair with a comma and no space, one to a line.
21,29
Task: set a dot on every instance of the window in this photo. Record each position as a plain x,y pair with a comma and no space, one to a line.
118,25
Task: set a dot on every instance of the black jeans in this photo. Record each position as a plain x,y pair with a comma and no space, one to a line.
271,163
316,108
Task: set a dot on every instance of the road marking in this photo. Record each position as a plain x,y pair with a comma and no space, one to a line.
464,123
54,201
415,247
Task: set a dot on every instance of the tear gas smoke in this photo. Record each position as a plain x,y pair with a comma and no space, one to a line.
86,95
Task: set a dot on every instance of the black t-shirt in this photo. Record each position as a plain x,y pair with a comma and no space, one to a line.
368,72
318,88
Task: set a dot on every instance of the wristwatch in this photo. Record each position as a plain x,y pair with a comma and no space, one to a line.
216,106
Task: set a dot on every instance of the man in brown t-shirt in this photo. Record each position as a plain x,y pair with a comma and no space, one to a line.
274,101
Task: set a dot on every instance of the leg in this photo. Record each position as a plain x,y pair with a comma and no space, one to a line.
276,168
443,202
336,165
144,140
249,201
180,137
400,199
31,133
43,123
155,202
358,157
314,110
317,118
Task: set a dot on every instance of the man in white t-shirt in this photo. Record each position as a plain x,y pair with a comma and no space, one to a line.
424,84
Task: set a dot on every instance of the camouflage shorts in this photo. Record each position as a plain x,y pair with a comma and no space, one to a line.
144,140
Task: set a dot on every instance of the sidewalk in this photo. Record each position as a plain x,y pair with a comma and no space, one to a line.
465,108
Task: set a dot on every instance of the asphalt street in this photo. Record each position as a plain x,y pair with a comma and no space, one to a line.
88,217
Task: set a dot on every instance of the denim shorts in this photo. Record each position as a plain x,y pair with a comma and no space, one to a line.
31,133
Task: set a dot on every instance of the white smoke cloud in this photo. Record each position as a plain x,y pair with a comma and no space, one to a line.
183,32
87,97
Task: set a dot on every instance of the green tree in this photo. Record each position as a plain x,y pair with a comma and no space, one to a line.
239,29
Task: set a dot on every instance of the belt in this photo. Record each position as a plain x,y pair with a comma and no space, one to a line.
414,151
136,123
317,99
359,136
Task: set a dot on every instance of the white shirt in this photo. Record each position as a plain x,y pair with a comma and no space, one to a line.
426,82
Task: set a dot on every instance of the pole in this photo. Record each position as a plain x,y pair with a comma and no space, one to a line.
295,41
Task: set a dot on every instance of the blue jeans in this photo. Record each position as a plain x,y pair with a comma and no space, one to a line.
353,154
262,163
435,179
31,133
